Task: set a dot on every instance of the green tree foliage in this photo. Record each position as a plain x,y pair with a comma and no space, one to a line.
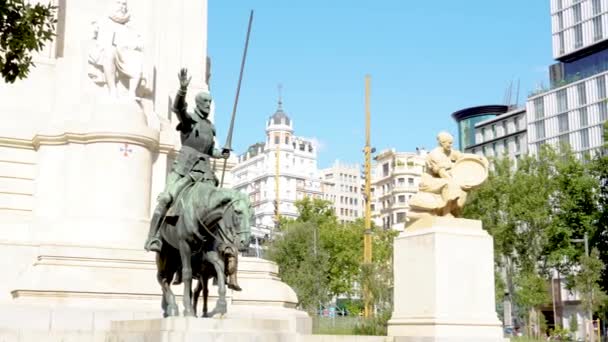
302,266
586,281
599,170
24,28
533,291
338,267
573,323
534,210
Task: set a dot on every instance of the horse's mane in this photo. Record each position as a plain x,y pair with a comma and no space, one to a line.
214,198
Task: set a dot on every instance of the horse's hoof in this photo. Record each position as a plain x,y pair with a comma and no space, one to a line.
171,311
205,315
189,314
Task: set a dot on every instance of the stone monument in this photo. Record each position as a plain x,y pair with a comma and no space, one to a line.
86,144
443,264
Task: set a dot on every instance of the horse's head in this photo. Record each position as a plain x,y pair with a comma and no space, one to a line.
238,216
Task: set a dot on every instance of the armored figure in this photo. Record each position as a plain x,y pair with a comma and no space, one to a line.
194,161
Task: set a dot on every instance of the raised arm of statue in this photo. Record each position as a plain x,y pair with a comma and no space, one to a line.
179,105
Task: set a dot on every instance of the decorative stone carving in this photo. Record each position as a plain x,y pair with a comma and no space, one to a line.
449,175
116,55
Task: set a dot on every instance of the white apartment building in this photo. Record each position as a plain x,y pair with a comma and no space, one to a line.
505,133
395,179
342,184
257,170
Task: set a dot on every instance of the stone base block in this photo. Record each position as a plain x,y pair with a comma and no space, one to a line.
444,283
184,329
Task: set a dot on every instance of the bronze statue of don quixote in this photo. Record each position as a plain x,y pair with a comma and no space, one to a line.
198,227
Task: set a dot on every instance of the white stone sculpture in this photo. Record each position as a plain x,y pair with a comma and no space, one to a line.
449,175
116,55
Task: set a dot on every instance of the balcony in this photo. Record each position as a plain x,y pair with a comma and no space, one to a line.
405,188
410,170
400,205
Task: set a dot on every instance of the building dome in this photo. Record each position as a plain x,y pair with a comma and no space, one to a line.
279,121
279,118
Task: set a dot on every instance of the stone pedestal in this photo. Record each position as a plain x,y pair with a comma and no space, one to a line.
81,289
444,283
197,329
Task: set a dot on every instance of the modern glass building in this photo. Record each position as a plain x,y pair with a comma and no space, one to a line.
468,117
575,107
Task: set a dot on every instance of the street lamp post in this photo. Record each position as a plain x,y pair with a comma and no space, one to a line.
589,322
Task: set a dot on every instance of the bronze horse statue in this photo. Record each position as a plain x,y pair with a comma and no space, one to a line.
203,225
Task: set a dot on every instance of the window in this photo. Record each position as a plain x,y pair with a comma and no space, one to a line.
516,123
277,139
601,87
505,146
540,129
562,120
578,36
564,139
410,181
401,181
505,131
597,29
539,108
584,138
400,217
597,6
286,140
562,101
583,118
495,153
483,133
517,144
562,44
582,94
539,146
385,169
576,13
493,131
560,21
603,110
401,199
559,4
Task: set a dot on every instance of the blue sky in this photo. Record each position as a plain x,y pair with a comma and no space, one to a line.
427,59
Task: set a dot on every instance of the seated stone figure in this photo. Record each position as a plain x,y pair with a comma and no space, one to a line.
442,192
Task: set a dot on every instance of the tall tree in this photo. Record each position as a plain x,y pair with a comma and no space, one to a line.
585,281
301,265
599,170
24,28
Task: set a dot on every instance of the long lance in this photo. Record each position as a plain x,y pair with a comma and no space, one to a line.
228,144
